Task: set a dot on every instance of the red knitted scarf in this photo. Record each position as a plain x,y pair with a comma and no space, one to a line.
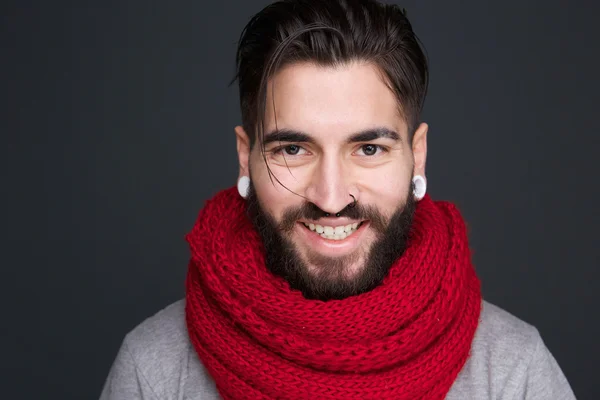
406,339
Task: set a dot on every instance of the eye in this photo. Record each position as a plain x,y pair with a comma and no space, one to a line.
289,150
292,149
370,149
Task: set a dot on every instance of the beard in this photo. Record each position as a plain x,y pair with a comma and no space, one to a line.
331,279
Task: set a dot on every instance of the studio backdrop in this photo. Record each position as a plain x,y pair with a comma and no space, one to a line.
117,124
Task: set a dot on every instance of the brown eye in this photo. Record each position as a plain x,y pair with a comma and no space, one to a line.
369,149
292,149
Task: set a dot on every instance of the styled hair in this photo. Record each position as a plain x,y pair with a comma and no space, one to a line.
330,33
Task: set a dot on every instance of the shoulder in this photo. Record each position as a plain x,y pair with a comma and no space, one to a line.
500,353
157,360
162,332
160,346
503,345
503,333
509,360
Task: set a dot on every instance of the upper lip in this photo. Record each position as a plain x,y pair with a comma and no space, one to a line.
331,221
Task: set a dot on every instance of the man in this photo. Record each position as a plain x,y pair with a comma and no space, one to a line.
329,273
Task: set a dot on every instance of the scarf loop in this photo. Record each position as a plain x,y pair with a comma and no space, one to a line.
259,339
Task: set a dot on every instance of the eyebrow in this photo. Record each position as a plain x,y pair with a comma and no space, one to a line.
367,135
373,134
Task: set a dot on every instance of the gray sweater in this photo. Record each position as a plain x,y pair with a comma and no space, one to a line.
508,361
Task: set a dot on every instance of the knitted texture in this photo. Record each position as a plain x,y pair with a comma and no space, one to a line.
259,339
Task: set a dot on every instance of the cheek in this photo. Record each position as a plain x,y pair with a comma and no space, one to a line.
272,196
386,189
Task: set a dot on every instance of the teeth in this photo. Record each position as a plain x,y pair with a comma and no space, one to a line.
334,233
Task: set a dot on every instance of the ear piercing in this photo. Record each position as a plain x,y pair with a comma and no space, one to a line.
420,187
243,186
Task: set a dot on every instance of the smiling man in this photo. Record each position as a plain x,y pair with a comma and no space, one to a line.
328,272
336,142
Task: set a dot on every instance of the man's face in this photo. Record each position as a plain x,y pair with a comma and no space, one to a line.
331,133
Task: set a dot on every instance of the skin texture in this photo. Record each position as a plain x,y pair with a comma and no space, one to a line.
330,106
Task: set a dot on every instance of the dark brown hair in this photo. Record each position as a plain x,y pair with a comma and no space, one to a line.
330,33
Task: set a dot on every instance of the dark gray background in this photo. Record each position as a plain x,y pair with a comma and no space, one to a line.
117,123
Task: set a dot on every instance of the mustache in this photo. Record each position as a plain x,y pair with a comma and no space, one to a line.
312,212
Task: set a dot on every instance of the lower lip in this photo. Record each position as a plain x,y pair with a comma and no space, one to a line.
329,246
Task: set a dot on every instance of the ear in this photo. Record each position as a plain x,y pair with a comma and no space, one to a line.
419,149
243,150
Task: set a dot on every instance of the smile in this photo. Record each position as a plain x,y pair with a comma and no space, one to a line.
334,232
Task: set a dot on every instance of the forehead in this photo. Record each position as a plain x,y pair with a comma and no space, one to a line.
331,102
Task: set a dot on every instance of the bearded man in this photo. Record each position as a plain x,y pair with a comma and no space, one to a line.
328,272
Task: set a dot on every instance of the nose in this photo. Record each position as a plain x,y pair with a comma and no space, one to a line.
329,188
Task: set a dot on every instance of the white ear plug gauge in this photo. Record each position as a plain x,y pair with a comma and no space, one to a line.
243,186
420,187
